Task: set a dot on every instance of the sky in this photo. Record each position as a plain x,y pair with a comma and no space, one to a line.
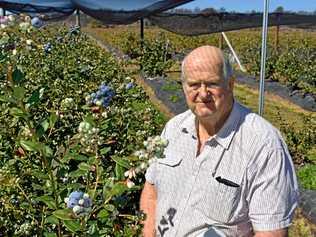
248,5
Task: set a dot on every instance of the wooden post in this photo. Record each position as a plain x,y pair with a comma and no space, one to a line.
141,38
78,17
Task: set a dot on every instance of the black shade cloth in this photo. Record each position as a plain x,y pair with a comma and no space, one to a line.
129,11
124,11
206,23
107,11
53,10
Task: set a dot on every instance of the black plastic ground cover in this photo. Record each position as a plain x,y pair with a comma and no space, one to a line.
308,204
304,100
161,87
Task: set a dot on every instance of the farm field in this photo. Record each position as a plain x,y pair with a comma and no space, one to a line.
292,62
73,117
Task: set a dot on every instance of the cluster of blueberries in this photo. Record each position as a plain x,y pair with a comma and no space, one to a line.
102,96
80,203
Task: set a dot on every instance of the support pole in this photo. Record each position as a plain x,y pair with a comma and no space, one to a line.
263,55
277,32
234,53
142,33
78,18
141,38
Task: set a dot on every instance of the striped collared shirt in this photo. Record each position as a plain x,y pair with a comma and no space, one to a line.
242,181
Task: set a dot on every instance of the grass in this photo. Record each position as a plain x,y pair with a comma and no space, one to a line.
274,107
301,227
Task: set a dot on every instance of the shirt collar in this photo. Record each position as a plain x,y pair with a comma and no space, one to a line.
224,135
227,132
189,125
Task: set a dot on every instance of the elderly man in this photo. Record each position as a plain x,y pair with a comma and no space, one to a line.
226,171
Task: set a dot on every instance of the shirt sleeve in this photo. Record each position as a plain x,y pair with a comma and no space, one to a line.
273,191
151,173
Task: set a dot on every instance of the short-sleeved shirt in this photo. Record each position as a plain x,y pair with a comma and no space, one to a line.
242,181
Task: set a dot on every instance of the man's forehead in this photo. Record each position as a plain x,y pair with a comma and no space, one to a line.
205,76
205,58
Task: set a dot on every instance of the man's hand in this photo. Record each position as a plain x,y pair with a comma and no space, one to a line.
148,206
274,233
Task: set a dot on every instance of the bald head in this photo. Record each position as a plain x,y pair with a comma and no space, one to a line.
206,58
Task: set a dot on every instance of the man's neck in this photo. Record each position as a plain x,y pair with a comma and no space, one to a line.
210,126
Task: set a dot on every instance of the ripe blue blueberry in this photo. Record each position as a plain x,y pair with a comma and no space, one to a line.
36,22
74,198
129,86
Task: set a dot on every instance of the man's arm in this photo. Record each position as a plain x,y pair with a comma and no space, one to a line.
148,201
274,233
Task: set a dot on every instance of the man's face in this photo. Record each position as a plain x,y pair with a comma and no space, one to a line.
207,93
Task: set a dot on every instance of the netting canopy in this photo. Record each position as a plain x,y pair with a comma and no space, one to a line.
107,11
124,11
206,23
57,9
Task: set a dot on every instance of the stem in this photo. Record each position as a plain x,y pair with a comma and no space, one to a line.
24,194
43,219
105,202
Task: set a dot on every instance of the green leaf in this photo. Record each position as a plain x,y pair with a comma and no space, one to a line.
34,98
17,112
118,189
105,150
48,200
77,173
64,214
17,76
52,120
39,130
103,214
45,125
46,234
39,175
84,166
119,171
121,162
47,151
30,146
76,156
72,225
18,93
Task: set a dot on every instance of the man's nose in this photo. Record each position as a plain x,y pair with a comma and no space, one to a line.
203,92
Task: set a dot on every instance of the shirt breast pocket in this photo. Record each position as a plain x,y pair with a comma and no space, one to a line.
221,199
169,173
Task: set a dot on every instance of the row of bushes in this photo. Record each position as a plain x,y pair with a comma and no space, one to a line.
292,62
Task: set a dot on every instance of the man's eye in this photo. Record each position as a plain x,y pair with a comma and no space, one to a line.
194,85
212,85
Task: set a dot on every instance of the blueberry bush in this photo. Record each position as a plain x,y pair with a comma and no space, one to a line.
72,126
